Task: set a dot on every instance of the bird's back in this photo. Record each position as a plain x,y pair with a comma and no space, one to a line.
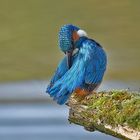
95,64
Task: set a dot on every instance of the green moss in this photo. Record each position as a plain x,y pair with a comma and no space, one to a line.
115,108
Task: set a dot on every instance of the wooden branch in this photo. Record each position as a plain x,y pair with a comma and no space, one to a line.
115,113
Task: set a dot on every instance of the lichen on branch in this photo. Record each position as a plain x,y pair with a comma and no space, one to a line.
114,112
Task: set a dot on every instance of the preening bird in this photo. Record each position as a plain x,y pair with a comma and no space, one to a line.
83,67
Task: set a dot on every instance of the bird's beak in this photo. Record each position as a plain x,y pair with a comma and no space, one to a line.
75,37
69,59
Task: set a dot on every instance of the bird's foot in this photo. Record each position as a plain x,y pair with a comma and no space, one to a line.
81,92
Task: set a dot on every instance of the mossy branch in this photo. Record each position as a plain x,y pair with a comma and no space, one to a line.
115,113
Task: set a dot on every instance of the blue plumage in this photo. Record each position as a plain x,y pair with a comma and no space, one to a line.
60,71
86,71
65,37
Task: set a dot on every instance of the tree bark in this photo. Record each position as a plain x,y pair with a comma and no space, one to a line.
115,113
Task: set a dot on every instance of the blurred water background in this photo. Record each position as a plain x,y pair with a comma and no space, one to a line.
29,54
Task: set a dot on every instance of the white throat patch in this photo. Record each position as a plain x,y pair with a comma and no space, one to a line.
75,51
82,33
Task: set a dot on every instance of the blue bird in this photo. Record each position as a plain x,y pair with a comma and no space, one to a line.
83,67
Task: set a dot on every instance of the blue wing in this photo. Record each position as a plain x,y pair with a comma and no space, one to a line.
84,70
96,66
60,71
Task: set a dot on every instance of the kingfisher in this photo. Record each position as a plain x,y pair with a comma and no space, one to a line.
82,68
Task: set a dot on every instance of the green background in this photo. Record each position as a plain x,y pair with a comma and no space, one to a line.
29,35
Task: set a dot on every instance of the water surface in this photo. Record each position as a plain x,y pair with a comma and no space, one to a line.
41,122
27,113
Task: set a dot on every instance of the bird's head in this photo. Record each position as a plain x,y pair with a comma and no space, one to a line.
68,35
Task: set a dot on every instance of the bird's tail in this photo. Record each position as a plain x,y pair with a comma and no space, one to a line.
61,99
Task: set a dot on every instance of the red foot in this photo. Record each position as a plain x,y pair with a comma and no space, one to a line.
81,92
